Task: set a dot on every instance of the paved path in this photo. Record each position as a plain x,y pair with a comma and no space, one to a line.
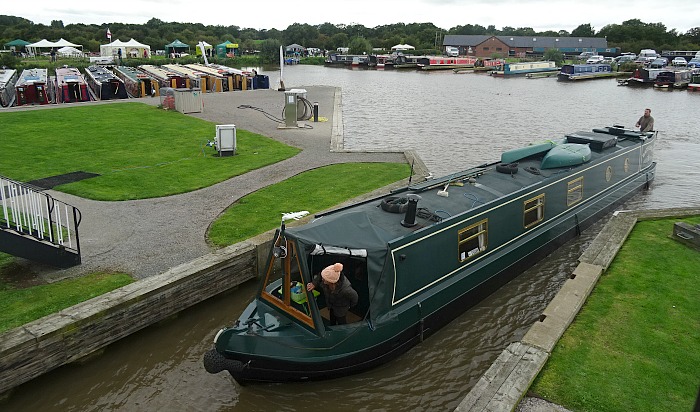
147,237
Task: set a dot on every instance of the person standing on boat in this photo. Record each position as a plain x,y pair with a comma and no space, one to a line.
646,122
338,292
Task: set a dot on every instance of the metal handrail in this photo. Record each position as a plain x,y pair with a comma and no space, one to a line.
29,211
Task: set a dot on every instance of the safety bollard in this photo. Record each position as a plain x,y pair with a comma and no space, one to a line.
315,112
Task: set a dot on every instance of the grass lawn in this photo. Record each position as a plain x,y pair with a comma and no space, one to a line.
256,213
635,345
314,191
138,150
22,305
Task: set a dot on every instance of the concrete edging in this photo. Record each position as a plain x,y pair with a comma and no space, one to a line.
504,384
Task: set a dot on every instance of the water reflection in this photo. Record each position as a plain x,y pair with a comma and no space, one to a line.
453,121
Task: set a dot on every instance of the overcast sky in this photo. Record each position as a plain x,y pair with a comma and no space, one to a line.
541,15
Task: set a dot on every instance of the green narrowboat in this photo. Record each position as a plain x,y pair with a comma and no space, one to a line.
420,256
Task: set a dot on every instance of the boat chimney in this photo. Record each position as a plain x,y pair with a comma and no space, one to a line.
410,218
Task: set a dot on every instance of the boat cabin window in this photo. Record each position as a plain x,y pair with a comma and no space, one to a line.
284,286
534,211
575,191
473,240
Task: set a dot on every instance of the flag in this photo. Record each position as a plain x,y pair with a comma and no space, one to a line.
109,34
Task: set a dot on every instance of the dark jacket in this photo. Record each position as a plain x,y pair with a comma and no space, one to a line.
341,299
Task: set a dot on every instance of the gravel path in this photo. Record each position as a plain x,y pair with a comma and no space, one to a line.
147,237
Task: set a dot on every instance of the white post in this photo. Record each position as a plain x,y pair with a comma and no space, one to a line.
281,70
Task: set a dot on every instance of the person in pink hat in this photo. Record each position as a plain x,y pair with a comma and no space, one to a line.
339,294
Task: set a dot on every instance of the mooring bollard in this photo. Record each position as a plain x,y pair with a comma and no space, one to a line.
315,112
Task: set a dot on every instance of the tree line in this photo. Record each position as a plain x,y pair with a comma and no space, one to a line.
631,35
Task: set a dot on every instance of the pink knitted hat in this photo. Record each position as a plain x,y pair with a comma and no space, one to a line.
331,273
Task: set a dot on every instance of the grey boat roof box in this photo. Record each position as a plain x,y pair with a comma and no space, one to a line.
596,141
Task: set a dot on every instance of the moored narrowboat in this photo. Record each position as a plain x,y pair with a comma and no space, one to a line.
71,86
165,78
694,84
641,77
137,83
354,60
585,72
673,79
514,69
444,63
104,84
195,78
8,79
32,87
420,256
219,80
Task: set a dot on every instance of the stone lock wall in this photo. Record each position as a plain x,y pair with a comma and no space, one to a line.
31,350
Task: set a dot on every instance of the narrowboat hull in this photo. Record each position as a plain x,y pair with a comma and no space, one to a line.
445,63
71,86
8,79
426,281
165,78
571,72
104,84
521,69
32,88
137,83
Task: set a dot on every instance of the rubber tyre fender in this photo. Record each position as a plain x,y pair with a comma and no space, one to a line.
394,204
507,168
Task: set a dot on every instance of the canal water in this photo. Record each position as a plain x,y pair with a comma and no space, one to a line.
453,121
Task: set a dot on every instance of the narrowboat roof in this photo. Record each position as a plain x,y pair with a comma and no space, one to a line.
100,74
213,70
131,72
158,72
6,76
466,190
184,70
69,75
31,76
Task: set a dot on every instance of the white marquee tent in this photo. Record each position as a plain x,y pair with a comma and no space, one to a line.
65,43
400,47
69,51
45,44
41,44
131,48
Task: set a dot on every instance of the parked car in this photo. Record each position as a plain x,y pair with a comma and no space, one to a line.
626,58
585,55
595,59
679,61
694,63
659,63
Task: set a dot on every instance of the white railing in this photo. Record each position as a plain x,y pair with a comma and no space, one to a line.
28,211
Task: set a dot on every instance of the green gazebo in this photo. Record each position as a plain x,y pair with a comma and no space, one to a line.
17,44
223,49
176,47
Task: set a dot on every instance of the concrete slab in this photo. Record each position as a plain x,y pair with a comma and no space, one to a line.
503,384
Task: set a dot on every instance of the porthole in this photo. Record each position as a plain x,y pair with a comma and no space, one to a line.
627,165
608,173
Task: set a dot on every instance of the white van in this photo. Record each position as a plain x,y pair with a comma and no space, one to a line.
452,51
648,55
